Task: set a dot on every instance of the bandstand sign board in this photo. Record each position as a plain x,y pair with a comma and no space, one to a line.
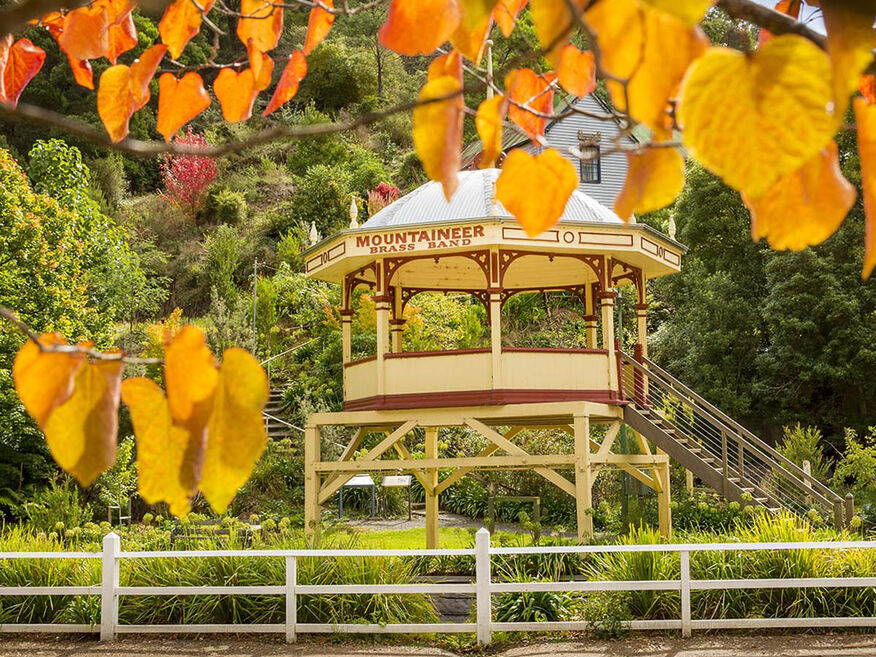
422,243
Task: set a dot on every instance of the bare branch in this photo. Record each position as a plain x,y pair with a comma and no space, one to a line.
92,354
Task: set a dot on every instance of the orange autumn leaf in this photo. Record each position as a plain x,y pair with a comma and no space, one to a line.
123,90
162,446
505,14
776,99
121,33
488,122
418,28
850,46
553,24
19,63
535,189
447,64
867,87
190,376
470,36
576,71
649,47
437,131
655,177
292,75
788,7
82,72
318,25
236,92
84,32
804,207
689,12
264,23
181,22
262,67
81,432
44,379
236,428
865,117
472,42
525,87
179,101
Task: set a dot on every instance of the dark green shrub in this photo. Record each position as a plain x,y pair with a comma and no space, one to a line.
224,206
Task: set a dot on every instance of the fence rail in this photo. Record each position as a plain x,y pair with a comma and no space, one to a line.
483,587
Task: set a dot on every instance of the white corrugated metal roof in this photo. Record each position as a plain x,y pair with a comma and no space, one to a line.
474,200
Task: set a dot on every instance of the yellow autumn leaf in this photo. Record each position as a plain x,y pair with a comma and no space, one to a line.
655,177
162,446
236,432
553,24
437,131
865,117
804,207
43,379
190,378
850,45
650,48
535,189
752,118
689,12
488,122
81,432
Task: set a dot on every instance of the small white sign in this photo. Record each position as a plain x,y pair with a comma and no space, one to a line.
361,481
397,481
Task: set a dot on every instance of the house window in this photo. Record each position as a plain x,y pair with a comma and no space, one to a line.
591,164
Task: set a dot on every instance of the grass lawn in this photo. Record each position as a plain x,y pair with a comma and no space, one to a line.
448,538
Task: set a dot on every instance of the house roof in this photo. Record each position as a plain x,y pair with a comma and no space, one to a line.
474,200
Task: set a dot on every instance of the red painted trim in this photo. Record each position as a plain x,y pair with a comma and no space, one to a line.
477,398
447,352
553,350
361,360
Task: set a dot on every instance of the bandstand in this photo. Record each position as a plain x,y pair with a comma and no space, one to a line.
472,245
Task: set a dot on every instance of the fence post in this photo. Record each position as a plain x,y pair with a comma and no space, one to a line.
685,593
109,582
850,509
482,585
291,598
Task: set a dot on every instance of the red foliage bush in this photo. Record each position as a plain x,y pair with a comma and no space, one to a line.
187,177
381,196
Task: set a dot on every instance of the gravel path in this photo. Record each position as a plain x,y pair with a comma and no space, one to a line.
796,645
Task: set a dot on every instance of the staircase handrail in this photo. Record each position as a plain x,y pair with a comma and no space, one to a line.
288,351
276,419
741,431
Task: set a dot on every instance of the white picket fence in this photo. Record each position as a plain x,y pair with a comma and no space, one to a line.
483,587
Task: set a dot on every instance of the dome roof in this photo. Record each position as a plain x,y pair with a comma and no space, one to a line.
474,200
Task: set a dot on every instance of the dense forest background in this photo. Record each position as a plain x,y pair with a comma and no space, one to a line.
114,249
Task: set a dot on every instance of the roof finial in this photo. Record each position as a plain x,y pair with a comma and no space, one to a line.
314,235
354,213
671,227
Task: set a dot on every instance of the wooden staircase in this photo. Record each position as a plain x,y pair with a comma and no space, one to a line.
726,456
277,425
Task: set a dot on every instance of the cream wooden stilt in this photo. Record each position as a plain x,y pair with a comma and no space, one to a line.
664,500
432,497
496,338
606,307
583,477
590,318
689,481
311,482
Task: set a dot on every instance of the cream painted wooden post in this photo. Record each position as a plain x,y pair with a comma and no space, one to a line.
432,498
685,593
311,482
291,599
688,481
583,477
664,501
397,323
496,337
483,597
382,303
109,599
642,327
346,341
590,317
607,308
